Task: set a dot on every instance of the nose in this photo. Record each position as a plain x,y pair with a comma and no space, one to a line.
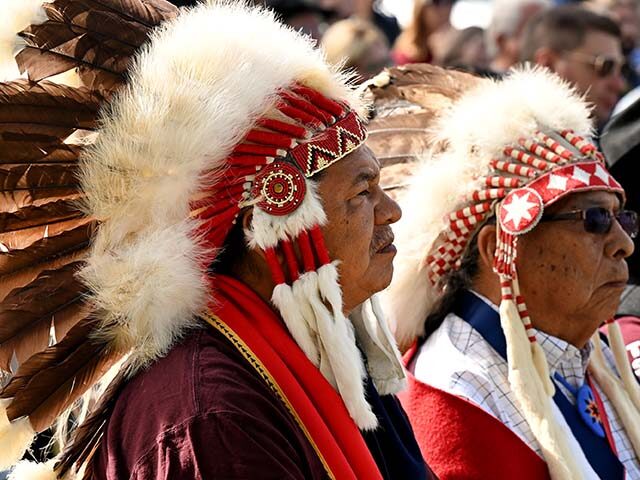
616,83
387,211
620,244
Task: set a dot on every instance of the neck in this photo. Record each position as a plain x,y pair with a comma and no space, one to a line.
256,278
575,331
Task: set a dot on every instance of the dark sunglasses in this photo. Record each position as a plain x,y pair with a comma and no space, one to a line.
603,65
599,219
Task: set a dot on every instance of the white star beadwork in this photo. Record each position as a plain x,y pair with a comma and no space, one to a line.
581,176
556,182
518,209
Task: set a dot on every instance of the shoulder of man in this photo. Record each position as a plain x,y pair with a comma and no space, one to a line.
202,411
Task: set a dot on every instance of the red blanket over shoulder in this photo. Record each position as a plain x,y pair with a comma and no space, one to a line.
261,336
459,440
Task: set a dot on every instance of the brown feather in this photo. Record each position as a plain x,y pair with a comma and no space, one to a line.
47,103
17,199
35,152
46,249
39,176
406,106
98,37
55,299
51,381
57,210
88,435
29,273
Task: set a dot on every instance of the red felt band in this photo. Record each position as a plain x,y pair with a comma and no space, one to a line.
270,138
260,150
308,110
231,191
249,160
308,259
301,116
218,208
290,259
284,128
274,266
319,100
320,247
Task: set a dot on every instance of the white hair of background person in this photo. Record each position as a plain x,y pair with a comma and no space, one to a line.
506,17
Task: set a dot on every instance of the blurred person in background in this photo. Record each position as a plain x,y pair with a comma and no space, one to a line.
419,41
582,47
371,10
308,16
504,33
359,44
467,51
620,143
626,14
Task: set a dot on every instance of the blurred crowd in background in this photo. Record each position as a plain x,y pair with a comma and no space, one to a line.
593,43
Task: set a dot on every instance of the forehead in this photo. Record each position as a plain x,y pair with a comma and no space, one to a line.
361,163
601,43
581,200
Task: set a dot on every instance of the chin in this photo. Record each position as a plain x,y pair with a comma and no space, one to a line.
383,279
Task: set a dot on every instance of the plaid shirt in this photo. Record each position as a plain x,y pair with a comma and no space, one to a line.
469,367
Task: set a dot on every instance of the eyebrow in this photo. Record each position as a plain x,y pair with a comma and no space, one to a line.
366,176
593,202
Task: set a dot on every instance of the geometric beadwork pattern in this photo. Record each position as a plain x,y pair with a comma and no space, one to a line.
329,146
281,188
518,186
522,208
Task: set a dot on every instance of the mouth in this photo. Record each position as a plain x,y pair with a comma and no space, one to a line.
383,243
616,284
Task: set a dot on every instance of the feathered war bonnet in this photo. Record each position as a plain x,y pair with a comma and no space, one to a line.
224,109
508,148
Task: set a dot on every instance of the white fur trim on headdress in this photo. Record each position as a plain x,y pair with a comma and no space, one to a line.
15,437
189,100
16,15
474,131
26,470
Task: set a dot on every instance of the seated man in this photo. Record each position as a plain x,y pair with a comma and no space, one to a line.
242,234
582,47
505,279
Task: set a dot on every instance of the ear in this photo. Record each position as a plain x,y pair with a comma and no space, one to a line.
547,58
245,218
486,240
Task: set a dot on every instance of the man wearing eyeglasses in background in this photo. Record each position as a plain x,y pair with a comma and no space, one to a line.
582,47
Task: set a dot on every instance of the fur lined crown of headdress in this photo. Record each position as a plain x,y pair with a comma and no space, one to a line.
194,92
470,134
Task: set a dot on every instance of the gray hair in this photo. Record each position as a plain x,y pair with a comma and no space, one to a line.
506,16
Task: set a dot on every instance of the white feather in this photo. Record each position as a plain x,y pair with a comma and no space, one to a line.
16,16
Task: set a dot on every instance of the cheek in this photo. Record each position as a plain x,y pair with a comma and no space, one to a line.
348,239
562,271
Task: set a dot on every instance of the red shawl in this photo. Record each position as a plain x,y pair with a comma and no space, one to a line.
260,335
459,440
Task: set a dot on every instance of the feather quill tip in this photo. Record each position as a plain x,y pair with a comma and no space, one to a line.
26,470
15,437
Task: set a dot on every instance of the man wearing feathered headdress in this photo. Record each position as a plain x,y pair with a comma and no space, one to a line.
236,233
511,255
